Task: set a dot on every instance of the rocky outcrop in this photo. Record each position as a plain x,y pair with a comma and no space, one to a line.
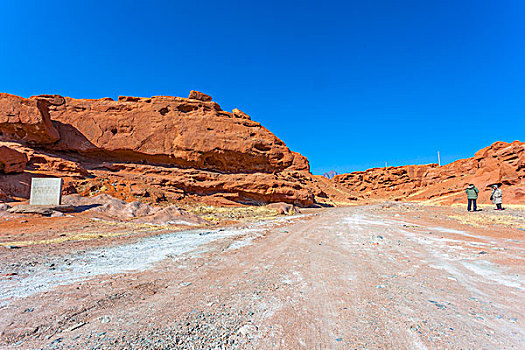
12,161
197,95
158,149
290,187
139,212
174,149
501,163
185,132
26,119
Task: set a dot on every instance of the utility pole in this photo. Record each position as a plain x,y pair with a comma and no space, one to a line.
439,160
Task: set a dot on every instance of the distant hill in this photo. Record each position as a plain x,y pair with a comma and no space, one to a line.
331,174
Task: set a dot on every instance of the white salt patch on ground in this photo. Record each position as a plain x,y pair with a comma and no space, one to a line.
243,242
361,220
448,230
463,233
111,260
133,257
491,272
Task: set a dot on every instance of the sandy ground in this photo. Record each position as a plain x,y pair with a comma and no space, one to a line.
385,276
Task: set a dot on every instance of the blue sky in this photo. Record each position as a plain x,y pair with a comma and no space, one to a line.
349,84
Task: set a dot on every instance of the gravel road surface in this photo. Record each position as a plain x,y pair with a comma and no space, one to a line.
342,278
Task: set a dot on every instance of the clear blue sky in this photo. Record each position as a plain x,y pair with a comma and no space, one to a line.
349,84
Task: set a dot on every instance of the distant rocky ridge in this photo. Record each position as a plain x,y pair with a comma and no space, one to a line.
501,163
330,174
161,148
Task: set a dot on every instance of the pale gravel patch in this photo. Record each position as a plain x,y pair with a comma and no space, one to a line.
131,257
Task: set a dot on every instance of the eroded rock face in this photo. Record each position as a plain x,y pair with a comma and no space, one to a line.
189,133
501,162
158,149
12,161
26,119
197,95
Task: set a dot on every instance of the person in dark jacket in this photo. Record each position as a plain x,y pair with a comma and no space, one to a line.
497,197
472,196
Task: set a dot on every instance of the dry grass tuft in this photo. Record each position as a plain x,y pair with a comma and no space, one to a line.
86,236
128,228
220,214
491,220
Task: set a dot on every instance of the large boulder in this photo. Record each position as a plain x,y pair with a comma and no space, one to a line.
197,95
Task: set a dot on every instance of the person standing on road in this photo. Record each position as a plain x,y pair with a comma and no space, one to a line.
497,197
472,196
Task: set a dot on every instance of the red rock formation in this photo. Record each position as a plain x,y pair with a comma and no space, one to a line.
11,161
501,162
163,149
25,119
290,187
172,149
197,95
189,133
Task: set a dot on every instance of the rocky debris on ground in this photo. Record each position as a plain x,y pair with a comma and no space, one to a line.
46,210
501,163
144,213
284,208
12,161
110,206
172,215
4,206
197,330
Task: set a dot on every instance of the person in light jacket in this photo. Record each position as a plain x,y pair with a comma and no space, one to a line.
497,197
472,196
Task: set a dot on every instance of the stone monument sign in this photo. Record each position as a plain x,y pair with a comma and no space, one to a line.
45,191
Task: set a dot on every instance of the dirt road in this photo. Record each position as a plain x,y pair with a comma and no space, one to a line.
343,278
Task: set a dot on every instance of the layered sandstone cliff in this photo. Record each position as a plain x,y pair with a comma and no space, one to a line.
501,163
158,148
185,132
